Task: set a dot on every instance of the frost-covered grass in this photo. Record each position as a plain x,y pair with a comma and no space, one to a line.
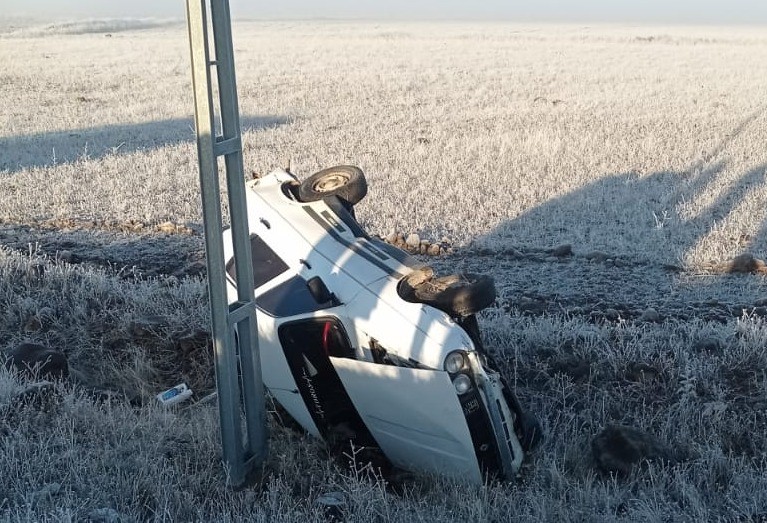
68,452
637,141
646,143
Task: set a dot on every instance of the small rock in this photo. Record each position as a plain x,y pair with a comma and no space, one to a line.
37,360
413,241
597,256
423,248
434,250
562,250
167,227
391,238
650,315
612,314
619,448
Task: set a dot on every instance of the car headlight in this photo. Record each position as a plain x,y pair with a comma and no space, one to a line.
462,384
455,362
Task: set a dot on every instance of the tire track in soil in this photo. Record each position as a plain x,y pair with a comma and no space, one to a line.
532,283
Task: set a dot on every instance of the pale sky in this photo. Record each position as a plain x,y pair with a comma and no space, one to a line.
633,11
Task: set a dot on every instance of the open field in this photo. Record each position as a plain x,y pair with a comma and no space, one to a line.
640,147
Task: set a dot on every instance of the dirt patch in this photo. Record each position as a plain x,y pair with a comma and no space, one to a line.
129,254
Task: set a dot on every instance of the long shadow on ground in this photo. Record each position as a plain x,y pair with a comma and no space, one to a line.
625,245
50,148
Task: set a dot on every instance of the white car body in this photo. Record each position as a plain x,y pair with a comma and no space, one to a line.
389,372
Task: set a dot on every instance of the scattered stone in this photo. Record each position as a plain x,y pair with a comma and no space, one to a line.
597,256
650,315
413,241
391,238
619,448
434,250
424,247
36,360
562,251
167,227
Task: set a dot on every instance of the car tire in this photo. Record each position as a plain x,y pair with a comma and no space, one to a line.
345,181
457,294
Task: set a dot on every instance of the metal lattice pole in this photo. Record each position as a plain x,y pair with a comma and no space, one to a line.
235,334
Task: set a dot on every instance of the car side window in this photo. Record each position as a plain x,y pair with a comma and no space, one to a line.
266,264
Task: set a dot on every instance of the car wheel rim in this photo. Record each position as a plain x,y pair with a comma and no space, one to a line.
330,182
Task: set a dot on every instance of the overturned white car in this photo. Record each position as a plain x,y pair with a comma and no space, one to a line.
359,340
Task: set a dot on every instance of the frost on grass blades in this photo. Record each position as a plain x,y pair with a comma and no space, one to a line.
641,148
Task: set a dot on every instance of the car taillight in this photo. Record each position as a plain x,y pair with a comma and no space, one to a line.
326,338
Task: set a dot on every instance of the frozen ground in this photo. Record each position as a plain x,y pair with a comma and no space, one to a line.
641,147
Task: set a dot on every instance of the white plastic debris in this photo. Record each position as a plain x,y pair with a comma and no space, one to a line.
175,395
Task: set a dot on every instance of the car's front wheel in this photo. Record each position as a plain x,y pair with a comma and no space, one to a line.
345,181
457,294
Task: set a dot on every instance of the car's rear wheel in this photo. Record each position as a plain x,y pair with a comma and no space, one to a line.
457,294
345,181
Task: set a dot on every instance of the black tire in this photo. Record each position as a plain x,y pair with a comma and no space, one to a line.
458,294
345,181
